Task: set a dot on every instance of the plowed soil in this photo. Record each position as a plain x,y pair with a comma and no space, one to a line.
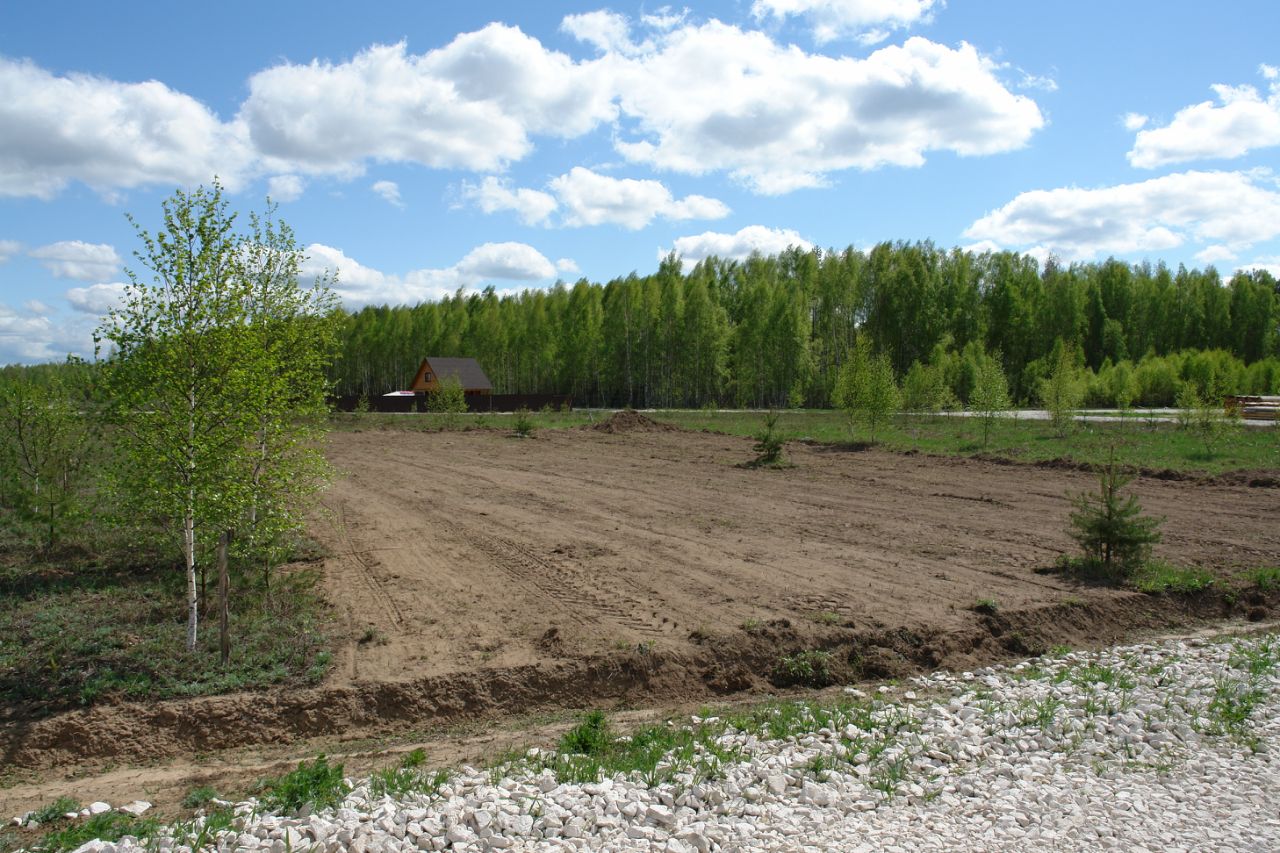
479,575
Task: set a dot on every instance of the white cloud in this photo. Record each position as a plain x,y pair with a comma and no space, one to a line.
108,135
25,339
676,96
97,299
361,285
491,195
286,188
35,306
1215,254
567,266
584,197
589,198
869,20
737,246
715,97
390,192
470,104
9,248
1037,81
1134,121
607,31
1270,263
510,261
78,260
1241,121
1228,209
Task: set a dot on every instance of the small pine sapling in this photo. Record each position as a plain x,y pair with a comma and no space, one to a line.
1115,536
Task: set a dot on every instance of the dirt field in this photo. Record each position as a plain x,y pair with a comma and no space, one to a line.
476,575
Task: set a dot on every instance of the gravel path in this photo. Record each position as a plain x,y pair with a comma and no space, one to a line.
1159,747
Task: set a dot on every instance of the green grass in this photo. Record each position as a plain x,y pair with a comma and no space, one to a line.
1138,444
317,783
199,797
55,811
1162,446
591,751
1266,578
108,826
408,776
1159,576
72,635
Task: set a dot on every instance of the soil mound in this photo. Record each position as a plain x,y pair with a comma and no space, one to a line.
630,420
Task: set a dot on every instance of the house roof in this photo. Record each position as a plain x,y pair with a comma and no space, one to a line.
467,370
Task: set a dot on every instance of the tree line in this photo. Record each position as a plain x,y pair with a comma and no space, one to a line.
776,330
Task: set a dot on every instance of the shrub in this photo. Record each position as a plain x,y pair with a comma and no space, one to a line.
990,395
769,443
866,388
1061,392
524,423
811,668
1114,534
589,737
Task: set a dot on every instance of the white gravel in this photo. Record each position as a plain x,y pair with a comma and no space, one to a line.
1162,747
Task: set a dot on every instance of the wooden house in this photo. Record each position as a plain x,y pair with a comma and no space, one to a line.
467,371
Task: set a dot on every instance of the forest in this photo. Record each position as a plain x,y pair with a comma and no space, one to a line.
775,331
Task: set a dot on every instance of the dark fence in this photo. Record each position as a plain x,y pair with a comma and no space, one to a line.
515,402
475,402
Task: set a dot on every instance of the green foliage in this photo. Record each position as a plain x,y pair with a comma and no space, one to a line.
57,651
214,383
199,797
1061,392
523,423
47,448
589,737
655,754
1160,576
809,668
55,811
925,390
409,776
990,395
866,388
1115,536
769,443
316,783
108,826
450,398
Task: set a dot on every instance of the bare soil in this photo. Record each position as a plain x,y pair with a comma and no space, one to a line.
478,577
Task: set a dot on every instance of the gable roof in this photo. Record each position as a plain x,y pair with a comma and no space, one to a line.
467,370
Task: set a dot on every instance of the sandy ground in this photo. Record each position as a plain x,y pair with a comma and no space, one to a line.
476,576
473,549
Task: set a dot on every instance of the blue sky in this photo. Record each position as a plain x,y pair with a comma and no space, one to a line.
420,147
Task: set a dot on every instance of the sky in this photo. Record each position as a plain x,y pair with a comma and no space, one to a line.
421,147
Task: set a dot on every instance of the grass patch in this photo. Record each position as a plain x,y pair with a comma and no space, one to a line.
73,636
198,798
1159,576
409,776
1154,446
1266,578
55,811
591,751
317,783
108,826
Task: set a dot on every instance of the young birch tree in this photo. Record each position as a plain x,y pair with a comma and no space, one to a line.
179,380
215,381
